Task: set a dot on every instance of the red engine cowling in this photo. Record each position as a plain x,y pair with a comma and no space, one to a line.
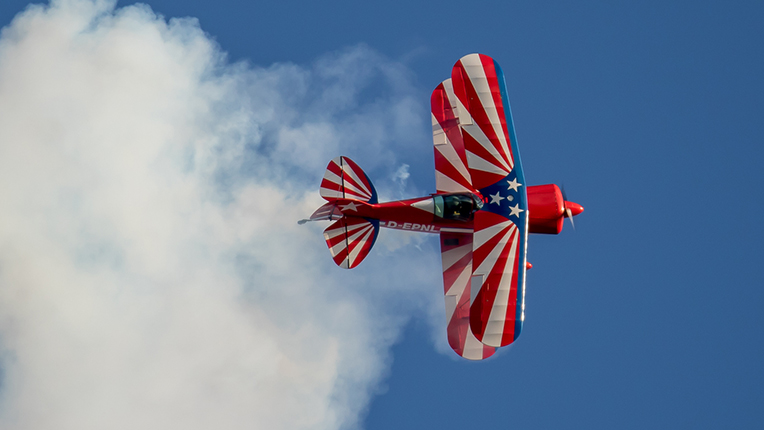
546,209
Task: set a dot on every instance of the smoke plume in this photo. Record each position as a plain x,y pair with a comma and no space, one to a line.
152,274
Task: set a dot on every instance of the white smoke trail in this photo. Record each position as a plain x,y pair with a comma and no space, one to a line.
152,274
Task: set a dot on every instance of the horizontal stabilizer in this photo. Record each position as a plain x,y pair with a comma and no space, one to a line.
350,239
343,179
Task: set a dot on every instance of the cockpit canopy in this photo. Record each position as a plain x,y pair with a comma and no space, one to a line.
457,207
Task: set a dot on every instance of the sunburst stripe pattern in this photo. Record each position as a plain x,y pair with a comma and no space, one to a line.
482,119
343,179
350,239
456,254
496,260
451,172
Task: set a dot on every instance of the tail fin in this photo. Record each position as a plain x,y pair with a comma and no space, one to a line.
345,180
350,239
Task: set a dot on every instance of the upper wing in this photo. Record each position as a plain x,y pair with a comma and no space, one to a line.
451,173
501,226
456,252
480,93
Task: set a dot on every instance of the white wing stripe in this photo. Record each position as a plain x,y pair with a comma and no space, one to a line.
490,260
477,133
448,185
449,153
448,86
494,329
484,235
473,349
456,291
451,256
477,75
478,163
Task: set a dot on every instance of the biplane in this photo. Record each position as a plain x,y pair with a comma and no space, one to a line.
483,210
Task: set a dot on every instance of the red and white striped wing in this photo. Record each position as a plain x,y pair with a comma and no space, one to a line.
350,239
343,179
498,259
451,172
482,118
456,253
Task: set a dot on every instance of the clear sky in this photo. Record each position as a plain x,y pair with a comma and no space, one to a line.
649,314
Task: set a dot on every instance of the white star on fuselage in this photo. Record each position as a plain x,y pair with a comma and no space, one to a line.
515,210
496,198
513,184
350,207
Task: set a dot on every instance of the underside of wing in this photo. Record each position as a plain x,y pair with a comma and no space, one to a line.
501,225
456,253
484,116
350,239
451,172
497,309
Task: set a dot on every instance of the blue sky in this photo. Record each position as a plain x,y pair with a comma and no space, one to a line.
649,315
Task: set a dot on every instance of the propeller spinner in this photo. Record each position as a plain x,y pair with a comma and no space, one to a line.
571,209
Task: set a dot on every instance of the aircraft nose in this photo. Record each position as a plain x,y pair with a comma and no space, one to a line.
574,208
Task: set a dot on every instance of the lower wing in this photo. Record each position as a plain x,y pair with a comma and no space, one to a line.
497,309
456,252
